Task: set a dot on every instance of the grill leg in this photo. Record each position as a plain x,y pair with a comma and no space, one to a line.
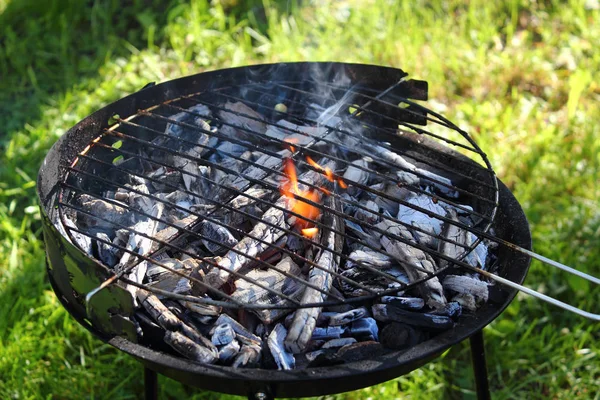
150,384
260,396
479,367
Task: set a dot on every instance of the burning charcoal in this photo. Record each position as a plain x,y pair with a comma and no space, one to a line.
369,216
360,351
227,149
169,321
169,232
334,294
142,245
394,158
179,133
330,332
312,356
121,195
189,349
299,134
229,351
219,234
355,175
165,318
390,313
222,334
247,203
248,356
478,257
411,257
452,232
250,197
249,293
106,253
406,303
364,329
407,178
295,243
248,320
349,353
165,180
400,336
109,212
367,256
421,220
315,344
453,310
262,330
81,240
337,319
248,246
395,194
265,162
242,334
190,172
202,320
176,197
275,133
305,319
283,359
466,301
166,280
239,115
466,285
385,278
360,233
349,209
335,343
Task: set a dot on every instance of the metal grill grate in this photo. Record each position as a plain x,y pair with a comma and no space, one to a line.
95,171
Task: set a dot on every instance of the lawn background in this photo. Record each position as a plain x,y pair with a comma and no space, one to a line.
523,77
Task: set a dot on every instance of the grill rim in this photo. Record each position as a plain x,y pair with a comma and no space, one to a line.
289,383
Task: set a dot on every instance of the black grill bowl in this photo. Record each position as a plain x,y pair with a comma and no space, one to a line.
73,274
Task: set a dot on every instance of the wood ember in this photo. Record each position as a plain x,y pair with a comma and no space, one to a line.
222,203
416,263
249,293
268,230
305,319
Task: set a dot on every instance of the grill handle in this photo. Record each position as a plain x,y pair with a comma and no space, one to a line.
538,295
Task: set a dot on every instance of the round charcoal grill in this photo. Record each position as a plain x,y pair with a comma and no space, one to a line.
219,160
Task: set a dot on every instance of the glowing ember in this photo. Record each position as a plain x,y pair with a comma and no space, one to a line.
310,232
328,173
290,142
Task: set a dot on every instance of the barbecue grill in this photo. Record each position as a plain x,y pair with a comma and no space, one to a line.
360,110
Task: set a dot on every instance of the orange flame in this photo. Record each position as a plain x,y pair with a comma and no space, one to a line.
290,142
291,188
331,177
327,171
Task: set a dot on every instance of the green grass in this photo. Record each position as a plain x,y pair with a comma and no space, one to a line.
521,76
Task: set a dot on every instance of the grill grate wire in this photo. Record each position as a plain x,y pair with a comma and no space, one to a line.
128,130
